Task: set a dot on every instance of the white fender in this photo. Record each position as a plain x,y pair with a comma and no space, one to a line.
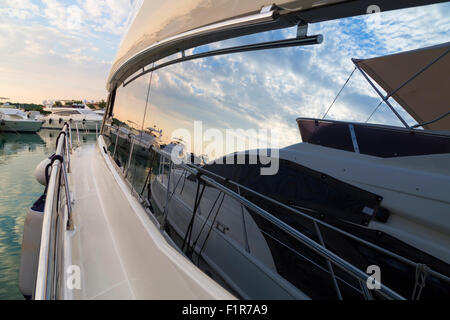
39,172
31,242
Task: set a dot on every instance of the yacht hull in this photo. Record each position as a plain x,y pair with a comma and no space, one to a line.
87,125
20,126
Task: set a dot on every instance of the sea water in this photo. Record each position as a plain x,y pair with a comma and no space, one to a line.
19,156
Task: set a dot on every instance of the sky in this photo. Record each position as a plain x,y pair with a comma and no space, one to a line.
58,49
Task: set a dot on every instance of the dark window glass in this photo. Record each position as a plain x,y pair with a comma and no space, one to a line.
123,129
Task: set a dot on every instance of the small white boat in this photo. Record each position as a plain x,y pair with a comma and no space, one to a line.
142,140
100,112
83,119
15,120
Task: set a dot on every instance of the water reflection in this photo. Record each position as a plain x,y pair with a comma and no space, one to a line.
19,156
11,143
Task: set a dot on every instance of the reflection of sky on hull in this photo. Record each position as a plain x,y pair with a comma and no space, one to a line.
271,88
131,100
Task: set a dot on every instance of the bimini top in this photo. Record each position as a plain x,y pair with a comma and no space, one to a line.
161,28
418,80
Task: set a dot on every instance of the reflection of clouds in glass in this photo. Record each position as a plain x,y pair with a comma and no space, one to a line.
271,88
129,105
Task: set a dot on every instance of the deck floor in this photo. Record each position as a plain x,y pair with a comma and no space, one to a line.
120,252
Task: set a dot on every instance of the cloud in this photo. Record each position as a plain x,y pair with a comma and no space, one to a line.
20,9
270,89
43,41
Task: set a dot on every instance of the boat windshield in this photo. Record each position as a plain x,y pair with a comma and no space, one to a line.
87,112
66,112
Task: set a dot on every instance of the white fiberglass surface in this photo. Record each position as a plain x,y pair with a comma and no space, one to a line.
120,252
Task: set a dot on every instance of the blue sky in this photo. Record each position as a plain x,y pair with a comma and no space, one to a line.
58,49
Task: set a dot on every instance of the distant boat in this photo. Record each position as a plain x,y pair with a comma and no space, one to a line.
100,112
83,119
142,139
15,120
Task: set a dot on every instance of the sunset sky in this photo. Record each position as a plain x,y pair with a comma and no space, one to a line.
58,49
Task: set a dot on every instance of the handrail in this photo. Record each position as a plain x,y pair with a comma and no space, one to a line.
361,276
308,40
49,252
327,225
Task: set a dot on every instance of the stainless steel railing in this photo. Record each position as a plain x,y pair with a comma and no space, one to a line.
332,259
57,218
329,226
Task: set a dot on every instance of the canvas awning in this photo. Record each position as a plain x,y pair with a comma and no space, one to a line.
427,96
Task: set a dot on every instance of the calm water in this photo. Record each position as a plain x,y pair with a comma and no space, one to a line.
19,156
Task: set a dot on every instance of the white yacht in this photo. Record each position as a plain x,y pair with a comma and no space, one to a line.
100,112
339,210
79,118
15,120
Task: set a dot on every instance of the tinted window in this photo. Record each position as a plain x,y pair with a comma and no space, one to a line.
123,130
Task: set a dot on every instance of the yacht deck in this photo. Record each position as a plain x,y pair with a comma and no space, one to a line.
120,252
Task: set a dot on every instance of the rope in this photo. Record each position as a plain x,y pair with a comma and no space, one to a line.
146,101
374,111
60,134
432,121
339,93
422,272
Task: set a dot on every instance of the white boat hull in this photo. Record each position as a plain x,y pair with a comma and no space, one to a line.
87,125
20,125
